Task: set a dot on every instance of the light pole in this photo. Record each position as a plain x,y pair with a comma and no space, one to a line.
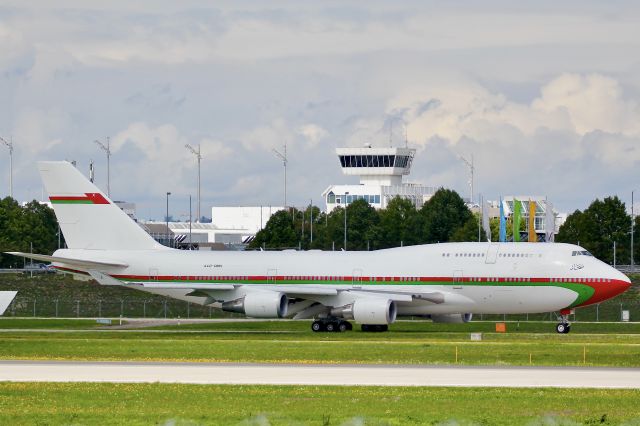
9,145
283,157
632,230
199,157
471,172
107,149
311,219
345,220
167,219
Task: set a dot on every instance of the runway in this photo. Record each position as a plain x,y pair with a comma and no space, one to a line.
348,375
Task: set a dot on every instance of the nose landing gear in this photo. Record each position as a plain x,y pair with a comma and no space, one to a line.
564,326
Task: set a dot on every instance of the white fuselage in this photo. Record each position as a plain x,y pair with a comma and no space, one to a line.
474,277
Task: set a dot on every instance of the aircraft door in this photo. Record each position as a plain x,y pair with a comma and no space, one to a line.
153,274
492,253
457,279
272,276
356,278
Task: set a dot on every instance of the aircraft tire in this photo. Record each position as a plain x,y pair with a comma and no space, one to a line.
561,328
342,327
330,327
316,326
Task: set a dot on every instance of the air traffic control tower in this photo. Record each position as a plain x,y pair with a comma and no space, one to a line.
381,172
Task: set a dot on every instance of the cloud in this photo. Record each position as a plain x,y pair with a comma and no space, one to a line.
154,159
514,84
312,133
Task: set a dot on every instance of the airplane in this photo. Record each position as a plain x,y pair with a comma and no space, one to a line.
447,282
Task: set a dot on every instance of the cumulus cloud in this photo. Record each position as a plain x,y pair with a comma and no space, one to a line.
154,159
515,85
312,133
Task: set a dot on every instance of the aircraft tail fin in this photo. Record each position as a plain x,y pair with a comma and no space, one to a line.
87,217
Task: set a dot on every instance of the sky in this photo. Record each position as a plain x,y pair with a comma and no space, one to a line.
545,95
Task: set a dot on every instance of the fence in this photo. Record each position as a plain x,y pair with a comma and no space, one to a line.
610,311
135,308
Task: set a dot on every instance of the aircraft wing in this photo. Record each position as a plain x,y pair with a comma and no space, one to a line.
6,297
82,263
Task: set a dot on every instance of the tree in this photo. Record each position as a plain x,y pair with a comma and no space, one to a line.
362,225
469,231
278,233
34,225
596,229
400,224
442,215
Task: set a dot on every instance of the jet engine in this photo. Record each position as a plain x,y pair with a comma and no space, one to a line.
259,304
452,318
368,311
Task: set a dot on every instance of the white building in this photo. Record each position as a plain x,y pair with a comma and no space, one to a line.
381,172
249,218
244,221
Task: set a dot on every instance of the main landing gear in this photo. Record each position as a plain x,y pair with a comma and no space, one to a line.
564,326
331,325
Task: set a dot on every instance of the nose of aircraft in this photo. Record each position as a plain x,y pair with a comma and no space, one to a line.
618,283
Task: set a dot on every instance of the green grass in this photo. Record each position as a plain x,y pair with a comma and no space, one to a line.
143,404
49,323
616,345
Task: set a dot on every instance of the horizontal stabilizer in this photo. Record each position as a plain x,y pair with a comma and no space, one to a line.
6,297
82,263
104,279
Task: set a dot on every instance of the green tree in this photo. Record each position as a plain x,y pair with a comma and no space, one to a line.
442,215
400,224
22,228
362,225
596,229
469,231
278,233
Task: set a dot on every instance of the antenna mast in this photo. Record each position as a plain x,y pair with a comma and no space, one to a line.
106,149
283,157
199,157
471,172
9,145
91,172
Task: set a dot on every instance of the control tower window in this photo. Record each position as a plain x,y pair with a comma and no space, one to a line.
400,161
331,198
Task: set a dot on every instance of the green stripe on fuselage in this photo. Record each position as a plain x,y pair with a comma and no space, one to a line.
71,202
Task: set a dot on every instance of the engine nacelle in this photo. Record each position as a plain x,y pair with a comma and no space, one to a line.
452,318
259,304
369,311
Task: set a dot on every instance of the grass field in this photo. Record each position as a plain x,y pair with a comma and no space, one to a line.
616,345
165,404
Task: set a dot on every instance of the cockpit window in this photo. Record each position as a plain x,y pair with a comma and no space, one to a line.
581,253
